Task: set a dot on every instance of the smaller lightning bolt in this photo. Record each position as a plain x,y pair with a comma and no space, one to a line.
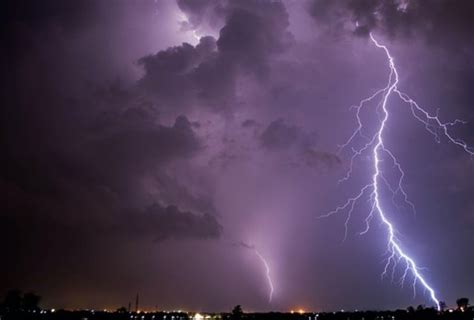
265,264
267,273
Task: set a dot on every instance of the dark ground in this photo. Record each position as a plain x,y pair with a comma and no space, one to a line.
427,314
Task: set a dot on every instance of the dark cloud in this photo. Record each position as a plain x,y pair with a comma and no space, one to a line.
249,123
441,20
253,31
280,135
244,245
204,12
74,134
102,168
80,149
314,158
186,76
142,145
172,189
296,148
171,223
168,74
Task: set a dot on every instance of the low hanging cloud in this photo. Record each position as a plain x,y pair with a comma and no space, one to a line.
297,147
171,223
317,159
280,135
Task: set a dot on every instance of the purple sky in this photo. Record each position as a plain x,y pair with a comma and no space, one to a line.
143,140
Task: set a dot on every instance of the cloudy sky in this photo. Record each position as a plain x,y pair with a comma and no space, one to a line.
152,146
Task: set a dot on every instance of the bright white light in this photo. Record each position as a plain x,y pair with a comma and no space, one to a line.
198,316
183,20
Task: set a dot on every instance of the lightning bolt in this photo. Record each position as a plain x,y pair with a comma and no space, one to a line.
374,145
267,274
264,263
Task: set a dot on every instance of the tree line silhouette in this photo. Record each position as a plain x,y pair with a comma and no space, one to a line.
15,301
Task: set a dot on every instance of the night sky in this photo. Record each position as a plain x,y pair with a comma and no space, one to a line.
151,146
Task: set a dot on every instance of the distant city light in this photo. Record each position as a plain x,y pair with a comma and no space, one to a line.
198,316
